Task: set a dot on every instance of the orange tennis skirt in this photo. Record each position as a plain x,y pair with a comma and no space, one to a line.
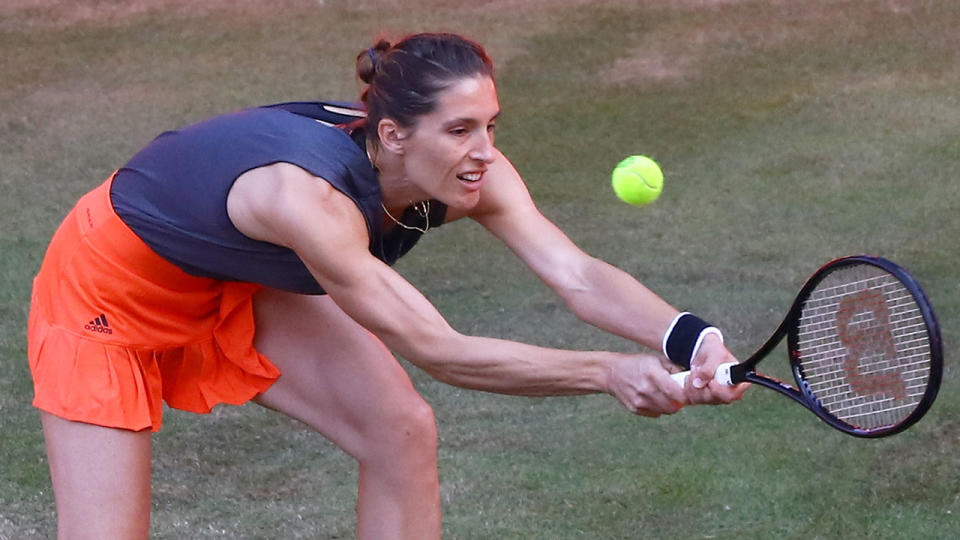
115,329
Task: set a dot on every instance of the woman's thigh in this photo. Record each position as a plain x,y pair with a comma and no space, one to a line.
336,376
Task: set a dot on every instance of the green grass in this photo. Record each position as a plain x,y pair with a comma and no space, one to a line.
790,133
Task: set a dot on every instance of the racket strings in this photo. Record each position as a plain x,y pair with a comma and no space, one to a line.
863,347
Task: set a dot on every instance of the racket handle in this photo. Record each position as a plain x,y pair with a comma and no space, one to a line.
722,375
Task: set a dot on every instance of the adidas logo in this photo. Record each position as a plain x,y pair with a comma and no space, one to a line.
99,325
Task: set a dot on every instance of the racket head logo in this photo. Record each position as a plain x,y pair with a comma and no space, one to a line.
868,338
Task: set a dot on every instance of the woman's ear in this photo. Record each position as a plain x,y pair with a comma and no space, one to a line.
391,136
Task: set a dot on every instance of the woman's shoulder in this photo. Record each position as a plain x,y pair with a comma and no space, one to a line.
503,189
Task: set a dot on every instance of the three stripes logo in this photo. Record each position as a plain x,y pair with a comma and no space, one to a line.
99,325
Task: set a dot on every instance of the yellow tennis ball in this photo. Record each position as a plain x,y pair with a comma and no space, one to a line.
637,180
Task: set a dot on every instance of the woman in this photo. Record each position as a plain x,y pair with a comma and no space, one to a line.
247,257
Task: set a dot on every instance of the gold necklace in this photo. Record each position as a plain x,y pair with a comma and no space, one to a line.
422,208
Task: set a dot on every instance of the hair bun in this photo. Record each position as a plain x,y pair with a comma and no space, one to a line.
368,59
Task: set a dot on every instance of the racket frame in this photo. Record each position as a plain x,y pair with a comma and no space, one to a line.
746,371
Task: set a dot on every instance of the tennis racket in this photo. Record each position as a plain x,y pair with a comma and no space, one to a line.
864,348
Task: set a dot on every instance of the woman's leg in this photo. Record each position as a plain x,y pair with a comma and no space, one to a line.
101,479
341,380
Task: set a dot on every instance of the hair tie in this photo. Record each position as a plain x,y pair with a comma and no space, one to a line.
373,57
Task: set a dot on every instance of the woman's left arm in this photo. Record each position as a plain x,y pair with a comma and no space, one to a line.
595,291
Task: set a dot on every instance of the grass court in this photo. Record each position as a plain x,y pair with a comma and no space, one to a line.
790,133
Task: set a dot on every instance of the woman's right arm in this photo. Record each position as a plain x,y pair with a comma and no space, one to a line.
286,205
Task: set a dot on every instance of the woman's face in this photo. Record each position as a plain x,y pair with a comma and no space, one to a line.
447,152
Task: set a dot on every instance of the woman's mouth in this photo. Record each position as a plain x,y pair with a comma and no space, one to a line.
470,177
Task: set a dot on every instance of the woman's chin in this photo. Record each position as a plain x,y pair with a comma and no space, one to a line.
464,202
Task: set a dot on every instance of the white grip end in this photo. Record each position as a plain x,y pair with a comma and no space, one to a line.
722,375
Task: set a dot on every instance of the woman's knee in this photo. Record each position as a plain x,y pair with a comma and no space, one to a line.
407,432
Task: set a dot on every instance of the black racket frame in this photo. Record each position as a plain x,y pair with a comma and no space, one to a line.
746,371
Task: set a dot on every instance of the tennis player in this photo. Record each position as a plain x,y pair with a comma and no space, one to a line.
247,257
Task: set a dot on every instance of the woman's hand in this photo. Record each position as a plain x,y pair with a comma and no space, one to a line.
701,387
642,383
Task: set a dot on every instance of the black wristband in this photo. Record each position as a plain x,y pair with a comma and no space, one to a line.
683,338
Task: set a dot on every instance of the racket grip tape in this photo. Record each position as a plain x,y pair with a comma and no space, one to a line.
722,375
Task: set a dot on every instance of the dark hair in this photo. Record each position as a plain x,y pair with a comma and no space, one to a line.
405,79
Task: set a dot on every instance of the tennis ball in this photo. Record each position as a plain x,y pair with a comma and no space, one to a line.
637,180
